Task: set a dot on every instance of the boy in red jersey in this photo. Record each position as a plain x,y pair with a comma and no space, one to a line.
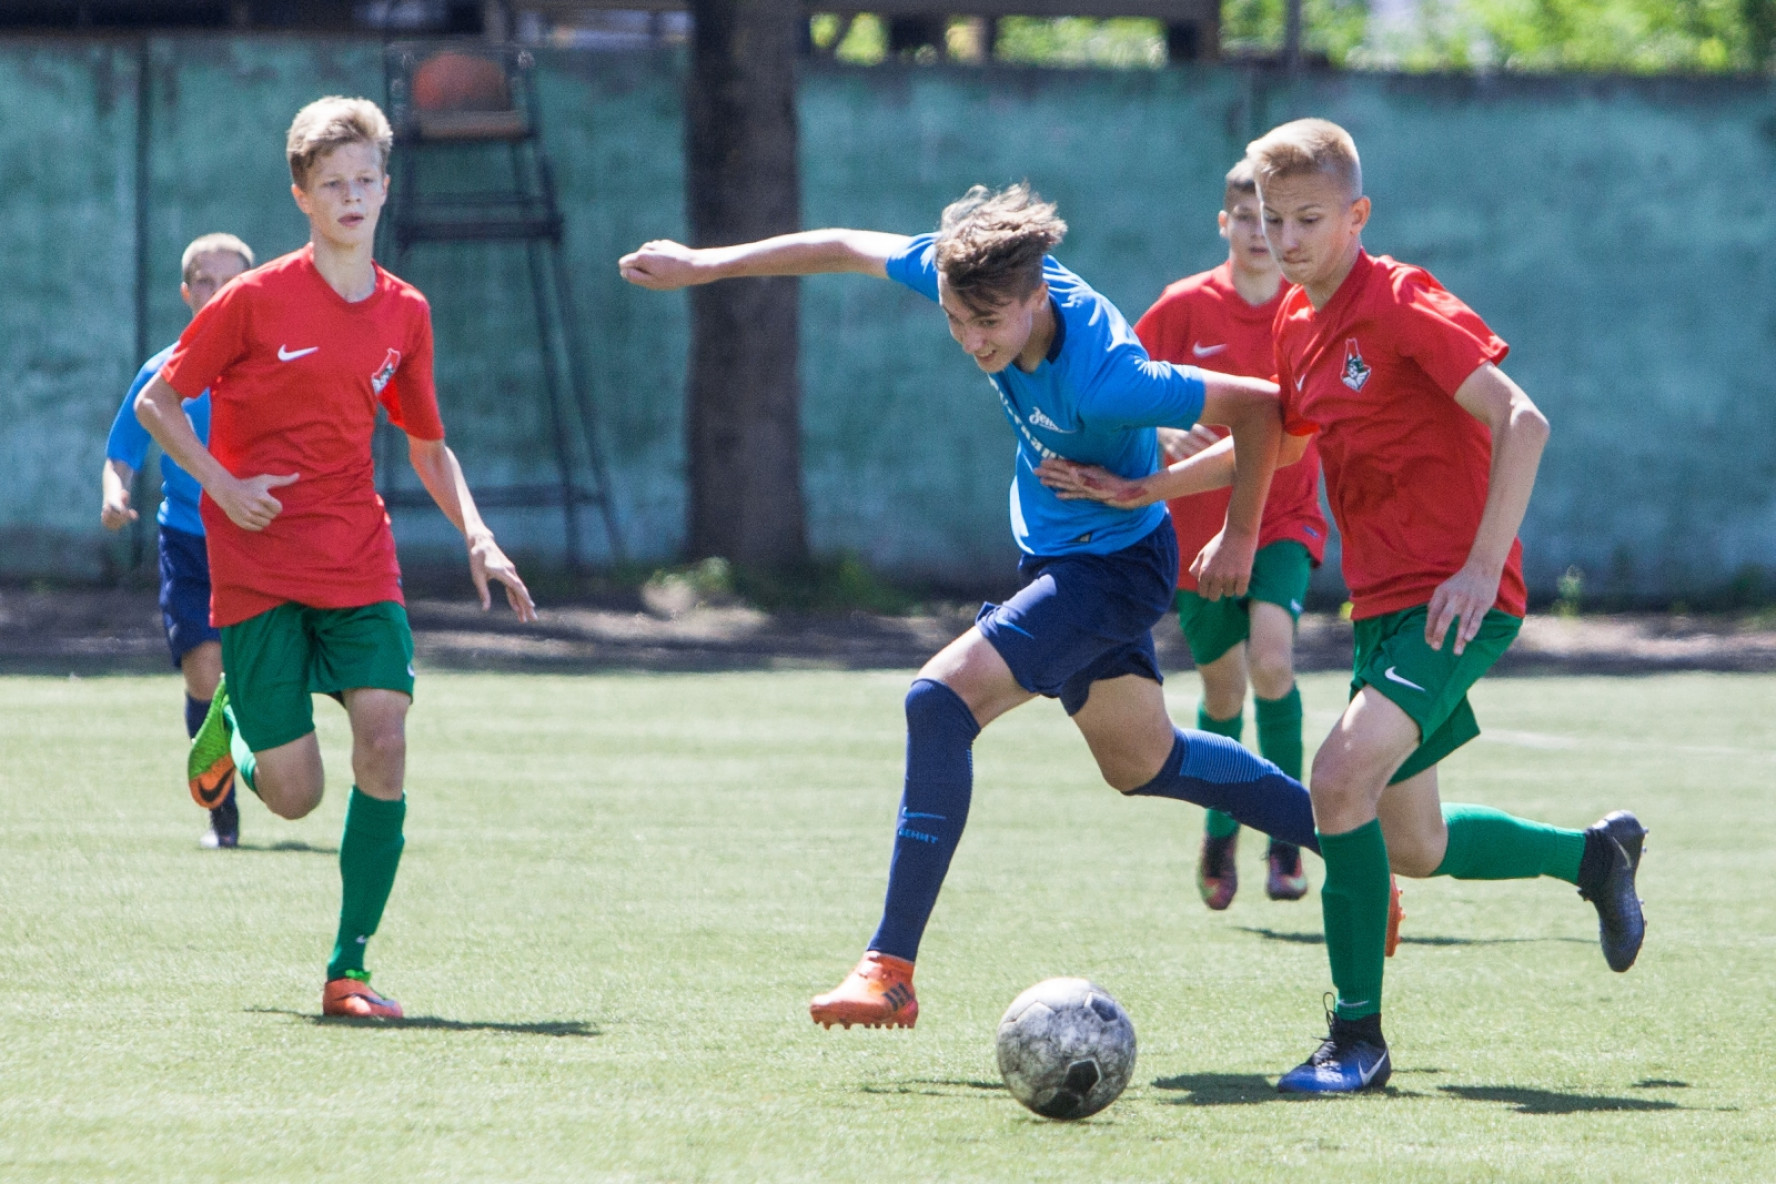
1430,454
298,355
1222,318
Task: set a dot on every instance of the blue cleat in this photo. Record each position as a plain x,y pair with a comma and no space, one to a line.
1354,1057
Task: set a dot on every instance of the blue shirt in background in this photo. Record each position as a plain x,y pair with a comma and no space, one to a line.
1095,398
129,442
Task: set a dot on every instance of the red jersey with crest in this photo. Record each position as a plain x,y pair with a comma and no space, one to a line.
1204,321
295,374
1374,374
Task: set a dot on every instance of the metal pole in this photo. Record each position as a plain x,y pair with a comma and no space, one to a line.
144,180
1292,36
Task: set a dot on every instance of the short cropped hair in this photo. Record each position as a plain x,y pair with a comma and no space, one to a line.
990,245
334,122
1240,183
1307,146
209,243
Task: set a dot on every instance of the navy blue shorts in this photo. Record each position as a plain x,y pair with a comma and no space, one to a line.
1082,618
185,592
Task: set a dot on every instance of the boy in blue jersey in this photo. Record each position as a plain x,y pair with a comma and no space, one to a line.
208,263
1074,382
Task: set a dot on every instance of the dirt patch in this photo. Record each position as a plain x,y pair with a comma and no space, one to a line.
95,631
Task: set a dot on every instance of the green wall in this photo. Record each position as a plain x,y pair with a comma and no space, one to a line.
1620,234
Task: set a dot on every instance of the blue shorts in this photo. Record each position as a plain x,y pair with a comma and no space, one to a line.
1082,618
185,592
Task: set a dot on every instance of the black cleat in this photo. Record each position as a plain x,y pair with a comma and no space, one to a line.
1621,926
1353,1057
224,825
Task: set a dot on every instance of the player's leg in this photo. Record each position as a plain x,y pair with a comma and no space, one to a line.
366,654
201,668
1215,631
197,652
260,726
1276,702
959,691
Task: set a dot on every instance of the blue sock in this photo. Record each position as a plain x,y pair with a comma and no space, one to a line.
1224,775
195,710
933,810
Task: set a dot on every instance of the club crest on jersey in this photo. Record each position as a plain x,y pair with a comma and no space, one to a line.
1356,370
386,371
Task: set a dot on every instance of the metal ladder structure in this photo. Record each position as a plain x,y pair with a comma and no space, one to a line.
478,100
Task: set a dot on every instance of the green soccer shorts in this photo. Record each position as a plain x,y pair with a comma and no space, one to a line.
1429,685
277,660
1212,627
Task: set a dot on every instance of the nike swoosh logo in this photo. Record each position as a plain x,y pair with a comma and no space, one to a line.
1368,1074
290,355
1392,676
1206,351
1299,381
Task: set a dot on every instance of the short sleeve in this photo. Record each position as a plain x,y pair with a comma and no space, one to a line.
410,398
128,441
215,339
1134,391
1445,337
915,266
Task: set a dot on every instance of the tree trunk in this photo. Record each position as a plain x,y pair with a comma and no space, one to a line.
744,398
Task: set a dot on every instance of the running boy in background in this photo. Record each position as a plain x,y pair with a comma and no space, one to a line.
1222,318
300,354
196,645
1071,377
1430,454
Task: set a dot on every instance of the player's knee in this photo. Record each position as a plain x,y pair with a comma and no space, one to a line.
292,797
1272,674
1223,702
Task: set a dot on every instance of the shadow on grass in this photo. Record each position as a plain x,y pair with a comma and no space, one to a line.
1547,1101
1319,939
937,1087
1235,1089
440,1024
289,845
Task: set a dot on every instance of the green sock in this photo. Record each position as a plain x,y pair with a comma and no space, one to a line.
246,765
1279,731
1488,844
1219,825
369,853
1354,901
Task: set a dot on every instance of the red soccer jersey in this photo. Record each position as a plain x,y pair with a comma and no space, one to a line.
1406,467
1204,321
295,375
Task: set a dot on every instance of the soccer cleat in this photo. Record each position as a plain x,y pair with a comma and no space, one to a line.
1396,914
353,998
1621,925
1353,1057
1217,873
1287,879
224,825
878,994
209,766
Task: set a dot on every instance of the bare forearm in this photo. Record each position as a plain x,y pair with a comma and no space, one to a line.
1516,455
115,479
1256,435
442,475
161,410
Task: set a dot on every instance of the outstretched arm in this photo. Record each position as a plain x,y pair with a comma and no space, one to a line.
1519,433
248,502
663,265
443,478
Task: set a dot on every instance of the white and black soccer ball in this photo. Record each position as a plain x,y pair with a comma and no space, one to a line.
1066,1048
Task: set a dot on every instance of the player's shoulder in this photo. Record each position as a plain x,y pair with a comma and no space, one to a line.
1202,290
1404,284
401,290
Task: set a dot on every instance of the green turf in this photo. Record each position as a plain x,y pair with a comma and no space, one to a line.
619,892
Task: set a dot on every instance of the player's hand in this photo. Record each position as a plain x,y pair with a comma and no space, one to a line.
660,265
249,503
1461,600
1072,481
487,562
1224,567
1182,445
116,512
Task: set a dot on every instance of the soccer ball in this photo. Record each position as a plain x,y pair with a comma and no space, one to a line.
1066,1049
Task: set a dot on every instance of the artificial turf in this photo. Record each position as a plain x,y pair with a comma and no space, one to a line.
619,892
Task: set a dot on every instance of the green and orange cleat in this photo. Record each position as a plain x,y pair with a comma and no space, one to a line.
353,998
878,994
209,766
1217,871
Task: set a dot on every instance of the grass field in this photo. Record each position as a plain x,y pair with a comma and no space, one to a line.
620,891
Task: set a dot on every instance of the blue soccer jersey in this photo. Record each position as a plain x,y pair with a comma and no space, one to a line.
129,441
1095,398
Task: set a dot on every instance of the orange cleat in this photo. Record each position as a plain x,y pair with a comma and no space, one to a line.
1396,914
878,994
353,997
209,766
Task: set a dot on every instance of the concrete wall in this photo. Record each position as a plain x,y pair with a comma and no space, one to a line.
1620,234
